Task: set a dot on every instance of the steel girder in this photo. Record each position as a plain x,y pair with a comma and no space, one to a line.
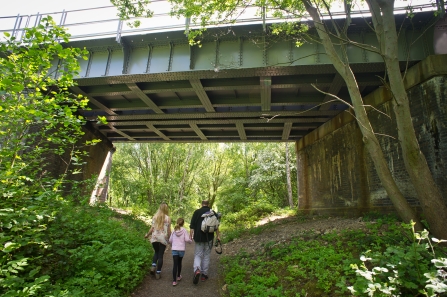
242,85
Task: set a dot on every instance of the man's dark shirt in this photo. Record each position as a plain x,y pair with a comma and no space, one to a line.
196,224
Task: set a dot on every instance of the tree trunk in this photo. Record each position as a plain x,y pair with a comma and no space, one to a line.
289,181
401,205
185,173
428,193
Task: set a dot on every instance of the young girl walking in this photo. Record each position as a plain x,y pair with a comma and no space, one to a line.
178,239
159,232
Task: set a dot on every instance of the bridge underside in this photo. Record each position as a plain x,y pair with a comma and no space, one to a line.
241,85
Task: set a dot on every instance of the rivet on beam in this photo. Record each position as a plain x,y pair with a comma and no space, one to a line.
198,131
171,53
89,63
264,51
266,92
216,59
191,57
317,52
241,131
127,51
286,131
109,59
241,42
158,132
149,58
334,89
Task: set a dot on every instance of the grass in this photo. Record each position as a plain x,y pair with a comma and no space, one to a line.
309,265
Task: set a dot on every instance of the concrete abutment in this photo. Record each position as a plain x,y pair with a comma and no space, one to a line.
336,173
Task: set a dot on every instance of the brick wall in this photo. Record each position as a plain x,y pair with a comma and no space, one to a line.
336,174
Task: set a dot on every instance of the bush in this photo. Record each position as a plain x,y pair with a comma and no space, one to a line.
55,248
95,253
402,270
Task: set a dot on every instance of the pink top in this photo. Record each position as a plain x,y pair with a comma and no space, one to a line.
179,239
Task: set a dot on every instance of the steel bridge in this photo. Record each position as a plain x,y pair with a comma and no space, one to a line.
243,84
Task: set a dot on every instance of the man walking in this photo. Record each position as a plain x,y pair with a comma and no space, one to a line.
203,243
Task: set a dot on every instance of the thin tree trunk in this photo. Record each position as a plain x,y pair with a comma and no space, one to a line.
185,173
428,193
289,181
401,205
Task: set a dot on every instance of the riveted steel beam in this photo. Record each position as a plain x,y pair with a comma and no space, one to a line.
101,106
286,130
89,63
198,131
335,87
144,98
310,122
158,132
224,115
203,97
171,55
241,131
244,86
363,83
266,92
149,58
127,50
241,44
121,133
109,59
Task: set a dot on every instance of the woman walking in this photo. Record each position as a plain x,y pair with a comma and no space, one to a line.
160,232
178,239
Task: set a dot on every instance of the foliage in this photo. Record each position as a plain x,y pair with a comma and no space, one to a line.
37,111
50,247
94,252
128,9
37,120
408,270
317,264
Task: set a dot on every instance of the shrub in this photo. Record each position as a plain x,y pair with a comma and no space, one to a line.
95,253
402,270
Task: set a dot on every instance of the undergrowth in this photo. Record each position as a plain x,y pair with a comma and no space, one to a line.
79,251
314,264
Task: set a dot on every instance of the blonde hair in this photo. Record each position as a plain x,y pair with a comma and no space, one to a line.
180,222
159,216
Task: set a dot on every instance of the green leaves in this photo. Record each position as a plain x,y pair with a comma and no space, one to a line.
403,269
37,119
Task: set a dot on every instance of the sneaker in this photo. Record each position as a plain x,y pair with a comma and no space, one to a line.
157,275
174,283
195,280
179,278
153,268
204,277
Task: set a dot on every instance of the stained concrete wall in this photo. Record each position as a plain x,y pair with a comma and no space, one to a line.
336,174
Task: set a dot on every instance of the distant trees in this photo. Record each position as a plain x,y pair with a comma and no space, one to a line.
230,176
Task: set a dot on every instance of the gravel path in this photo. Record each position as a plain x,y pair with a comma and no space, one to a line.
185,288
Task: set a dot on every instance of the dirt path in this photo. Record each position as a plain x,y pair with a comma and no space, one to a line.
185,288
280,231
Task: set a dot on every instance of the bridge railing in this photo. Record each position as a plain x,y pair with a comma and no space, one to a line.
103,22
